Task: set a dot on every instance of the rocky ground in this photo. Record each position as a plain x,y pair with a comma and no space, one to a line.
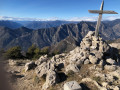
94,66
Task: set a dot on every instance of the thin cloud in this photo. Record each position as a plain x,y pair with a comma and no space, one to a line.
56,18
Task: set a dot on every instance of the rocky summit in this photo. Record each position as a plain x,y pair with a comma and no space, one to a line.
92,66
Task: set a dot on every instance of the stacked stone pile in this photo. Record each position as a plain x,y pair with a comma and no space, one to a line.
93,50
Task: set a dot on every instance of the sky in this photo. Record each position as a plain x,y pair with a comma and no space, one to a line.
73,10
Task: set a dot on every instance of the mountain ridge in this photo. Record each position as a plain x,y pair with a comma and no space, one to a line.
25,37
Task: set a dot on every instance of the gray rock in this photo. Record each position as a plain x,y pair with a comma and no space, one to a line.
44,68
72,67
109,78
87,61
110,67
116,88
94,82
111,61
59,56
104,84
93,59
51,79
72,85
90,33
41,69
104,47
80,62
30,65
41,60
12,62
116,73
95,39
101,63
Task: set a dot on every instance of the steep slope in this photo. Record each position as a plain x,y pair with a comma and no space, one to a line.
65,45
6,36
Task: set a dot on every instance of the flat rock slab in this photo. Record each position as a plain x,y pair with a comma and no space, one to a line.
72,85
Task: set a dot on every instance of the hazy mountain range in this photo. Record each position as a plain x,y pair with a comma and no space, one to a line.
62,38
33,24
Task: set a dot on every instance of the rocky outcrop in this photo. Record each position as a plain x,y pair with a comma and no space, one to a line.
94,82
41,60
30,65
12,62
72,67
25,37
93,52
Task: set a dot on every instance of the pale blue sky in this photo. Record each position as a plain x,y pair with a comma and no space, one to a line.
61,9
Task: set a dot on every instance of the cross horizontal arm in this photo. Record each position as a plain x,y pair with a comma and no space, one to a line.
102,12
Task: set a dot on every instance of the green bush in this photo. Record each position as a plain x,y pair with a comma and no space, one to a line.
45,50
37,53
30,52
33,52
13,53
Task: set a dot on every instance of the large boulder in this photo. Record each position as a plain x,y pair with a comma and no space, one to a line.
72,85
41,69
51,79
44,68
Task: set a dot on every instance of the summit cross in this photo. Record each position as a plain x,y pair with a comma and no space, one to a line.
100,12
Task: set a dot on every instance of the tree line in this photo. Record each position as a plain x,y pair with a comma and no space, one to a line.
33,52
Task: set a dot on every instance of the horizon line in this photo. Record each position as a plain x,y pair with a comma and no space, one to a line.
74,19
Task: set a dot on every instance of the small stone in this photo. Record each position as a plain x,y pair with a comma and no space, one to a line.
104,84
110,67
72,85
87,61
51,79
72,67
102,63
111,61
12,62
93,59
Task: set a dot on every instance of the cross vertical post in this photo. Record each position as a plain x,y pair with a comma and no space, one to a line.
100,12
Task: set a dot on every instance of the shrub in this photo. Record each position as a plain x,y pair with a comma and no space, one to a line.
13,53
45,50
37,53
30,52
34,52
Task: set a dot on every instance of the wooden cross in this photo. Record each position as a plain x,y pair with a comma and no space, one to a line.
100,12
